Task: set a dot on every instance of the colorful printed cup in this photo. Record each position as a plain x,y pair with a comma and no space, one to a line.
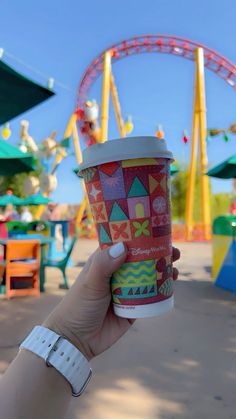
128,186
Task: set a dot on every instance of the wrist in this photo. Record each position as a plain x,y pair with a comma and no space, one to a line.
59,328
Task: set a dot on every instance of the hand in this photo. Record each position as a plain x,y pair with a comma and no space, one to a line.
85,315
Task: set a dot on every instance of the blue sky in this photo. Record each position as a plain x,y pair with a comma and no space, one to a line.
60,39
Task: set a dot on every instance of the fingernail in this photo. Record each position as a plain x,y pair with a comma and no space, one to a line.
116,250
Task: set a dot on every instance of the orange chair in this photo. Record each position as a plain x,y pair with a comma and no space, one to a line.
22,268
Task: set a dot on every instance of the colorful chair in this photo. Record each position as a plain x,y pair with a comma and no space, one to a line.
22,268
62,263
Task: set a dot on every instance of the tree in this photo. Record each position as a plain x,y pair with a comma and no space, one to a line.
220,203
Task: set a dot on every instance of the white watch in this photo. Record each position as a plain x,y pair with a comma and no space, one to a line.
59,353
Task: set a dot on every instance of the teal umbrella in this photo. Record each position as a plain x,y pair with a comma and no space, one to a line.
224,170
10,199
18,93
13,160
173,169
37,199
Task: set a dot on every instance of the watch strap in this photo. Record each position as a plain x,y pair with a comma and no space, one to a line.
59,353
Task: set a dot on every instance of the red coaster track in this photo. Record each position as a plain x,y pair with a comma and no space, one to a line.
166,44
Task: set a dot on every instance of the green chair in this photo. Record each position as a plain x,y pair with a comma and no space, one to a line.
61,263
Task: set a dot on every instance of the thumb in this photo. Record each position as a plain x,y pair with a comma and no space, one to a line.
104,263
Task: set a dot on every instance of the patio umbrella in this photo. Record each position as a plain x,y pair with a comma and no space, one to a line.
37,199
10,199
173,169
13,160
224,170
18,93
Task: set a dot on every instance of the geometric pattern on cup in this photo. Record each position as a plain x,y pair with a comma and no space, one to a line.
137,188
164,269
109,168
139,207
141,228
135,274
99,212
94,191
120,231
158,205
161,230
159,220
117,210
157,183
135,293
139,162
90,174
166,288
113,186
103,234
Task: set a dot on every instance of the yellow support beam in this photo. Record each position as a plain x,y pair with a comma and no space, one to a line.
114,95
192,170
198,131
204,180
105,96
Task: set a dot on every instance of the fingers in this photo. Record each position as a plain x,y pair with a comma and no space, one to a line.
175,254
104,263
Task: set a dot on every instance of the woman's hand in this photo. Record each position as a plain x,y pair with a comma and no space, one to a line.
85,315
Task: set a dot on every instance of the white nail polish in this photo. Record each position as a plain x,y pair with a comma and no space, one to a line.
116,250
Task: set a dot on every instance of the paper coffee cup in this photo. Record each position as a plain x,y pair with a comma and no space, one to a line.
128,186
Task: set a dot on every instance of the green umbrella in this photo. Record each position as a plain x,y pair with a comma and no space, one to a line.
13,160
18,93
10,199
173,169
36,200
224,170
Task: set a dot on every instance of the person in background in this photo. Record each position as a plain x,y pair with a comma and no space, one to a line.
8,214
26,215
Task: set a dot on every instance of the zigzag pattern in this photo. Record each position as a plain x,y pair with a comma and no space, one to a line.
136,273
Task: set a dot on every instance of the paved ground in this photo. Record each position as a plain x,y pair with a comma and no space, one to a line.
180,366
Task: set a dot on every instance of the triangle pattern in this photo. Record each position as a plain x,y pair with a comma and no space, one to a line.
130,292
156,181
104,237
109,168
117,214
137,189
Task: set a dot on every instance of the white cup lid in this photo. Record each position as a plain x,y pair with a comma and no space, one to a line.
124,149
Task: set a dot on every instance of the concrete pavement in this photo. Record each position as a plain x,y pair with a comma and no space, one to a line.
179,366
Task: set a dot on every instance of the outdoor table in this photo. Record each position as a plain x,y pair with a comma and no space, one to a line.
43,242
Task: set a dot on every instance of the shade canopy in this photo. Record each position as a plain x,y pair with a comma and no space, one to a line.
173,169
37,199
224,170
10,199
18,93
13,160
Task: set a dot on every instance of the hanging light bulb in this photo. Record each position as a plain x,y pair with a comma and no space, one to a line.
185,137
160,133
129,126
6,132
226,138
